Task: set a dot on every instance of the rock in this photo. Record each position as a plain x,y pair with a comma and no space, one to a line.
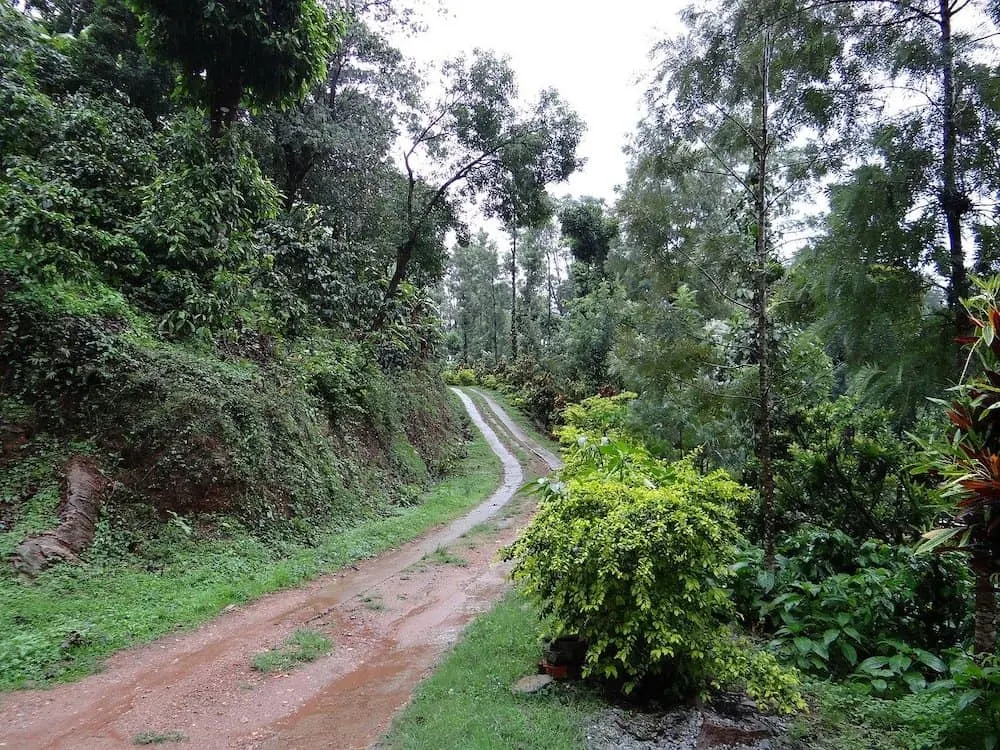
531,684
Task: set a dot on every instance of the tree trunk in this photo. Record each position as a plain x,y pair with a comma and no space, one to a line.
761,284
985,637
223,107
954,203
403,255
79,511
493,322
513,293
551,295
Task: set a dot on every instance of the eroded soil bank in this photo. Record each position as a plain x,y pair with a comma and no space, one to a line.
390,619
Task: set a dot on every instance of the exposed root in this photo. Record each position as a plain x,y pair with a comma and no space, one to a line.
79,511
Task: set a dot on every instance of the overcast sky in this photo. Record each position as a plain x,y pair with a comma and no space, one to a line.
593,55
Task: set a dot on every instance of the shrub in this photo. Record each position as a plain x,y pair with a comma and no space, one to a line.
846,468
633,555
461,376
833,605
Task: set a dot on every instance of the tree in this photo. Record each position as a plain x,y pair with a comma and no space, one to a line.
588,230
919,212
258,53
320,148
740,92
474,284
476,141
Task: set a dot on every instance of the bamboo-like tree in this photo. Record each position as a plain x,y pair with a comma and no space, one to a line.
735,102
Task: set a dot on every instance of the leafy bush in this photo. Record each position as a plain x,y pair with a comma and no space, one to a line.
846,468
461,376
632,555
835,607
597,414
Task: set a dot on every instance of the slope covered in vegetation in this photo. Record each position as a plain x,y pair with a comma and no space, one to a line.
201,349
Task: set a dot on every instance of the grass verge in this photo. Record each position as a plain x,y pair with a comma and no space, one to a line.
301,647
521,420
63,624
468,704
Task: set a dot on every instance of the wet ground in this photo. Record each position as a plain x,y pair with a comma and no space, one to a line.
391,618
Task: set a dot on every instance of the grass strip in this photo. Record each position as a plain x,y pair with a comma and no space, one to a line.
522,420
301,647
468,703
63,624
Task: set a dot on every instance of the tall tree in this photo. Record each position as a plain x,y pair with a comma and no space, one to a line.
921,207
474,284
588,229
740,92
256,53
476,141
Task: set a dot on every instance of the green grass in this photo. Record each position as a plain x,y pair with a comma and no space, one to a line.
374,603
63,624
158,738
521,420
444,556
301,647
468,704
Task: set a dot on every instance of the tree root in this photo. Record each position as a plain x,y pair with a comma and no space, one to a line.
83,484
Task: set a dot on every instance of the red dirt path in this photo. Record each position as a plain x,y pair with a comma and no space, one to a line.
390,617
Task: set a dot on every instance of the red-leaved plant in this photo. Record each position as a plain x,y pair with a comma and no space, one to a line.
968,462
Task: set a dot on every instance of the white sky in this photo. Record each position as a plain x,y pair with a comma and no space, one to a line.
593,54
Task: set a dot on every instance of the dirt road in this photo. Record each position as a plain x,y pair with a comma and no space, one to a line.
390,618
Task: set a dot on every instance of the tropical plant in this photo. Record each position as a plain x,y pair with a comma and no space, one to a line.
967,462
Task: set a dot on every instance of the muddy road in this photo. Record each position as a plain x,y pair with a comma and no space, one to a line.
390,618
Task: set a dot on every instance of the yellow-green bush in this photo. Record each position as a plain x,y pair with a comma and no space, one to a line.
461,376
633,555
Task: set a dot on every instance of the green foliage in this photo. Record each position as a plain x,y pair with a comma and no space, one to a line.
633,556
976,686
197,229
258,54
843,717
301,647
837,607
588,230
61,342
846,468
461,376
595,415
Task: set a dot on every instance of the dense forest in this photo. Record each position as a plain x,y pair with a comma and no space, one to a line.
243,248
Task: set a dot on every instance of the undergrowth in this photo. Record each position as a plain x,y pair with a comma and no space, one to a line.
843,717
